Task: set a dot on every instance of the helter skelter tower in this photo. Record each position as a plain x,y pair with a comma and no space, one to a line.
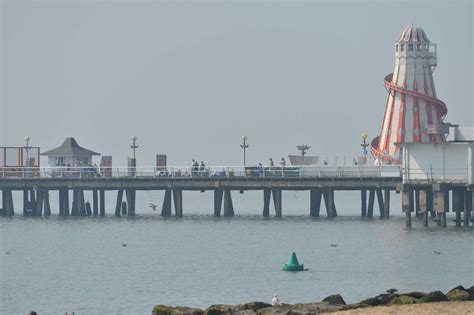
413,112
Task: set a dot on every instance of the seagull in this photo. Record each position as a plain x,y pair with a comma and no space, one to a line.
436,252
333,245
124,244
392,291
6,252
275,301
153,206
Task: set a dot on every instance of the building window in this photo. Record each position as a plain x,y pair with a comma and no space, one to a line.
410,47
402,47
418,47
396,47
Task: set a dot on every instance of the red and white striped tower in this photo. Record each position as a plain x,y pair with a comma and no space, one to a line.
413,113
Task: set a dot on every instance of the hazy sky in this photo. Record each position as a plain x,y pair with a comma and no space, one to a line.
189,78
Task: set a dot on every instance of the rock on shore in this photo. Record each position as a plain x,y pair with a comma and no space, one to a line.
329,304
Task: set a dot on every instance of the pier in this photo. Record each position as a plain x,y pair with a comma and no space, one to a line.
375,184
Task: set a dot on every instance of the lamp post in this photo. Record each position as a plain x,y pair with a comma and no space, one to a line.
134,145
364,146
244,146
27,148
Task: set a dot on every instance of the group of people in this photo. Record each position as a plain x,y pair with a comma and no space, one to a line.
75,170
197,169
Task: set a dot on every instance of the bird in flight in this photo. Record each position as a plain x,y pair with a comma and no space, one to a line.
436,252
6,252
153,206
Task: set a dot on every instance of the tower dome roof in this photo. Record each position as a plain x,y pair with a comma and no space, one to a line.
413,33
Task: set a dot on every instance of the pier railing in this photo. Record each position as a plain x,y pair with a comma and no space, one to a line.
323,171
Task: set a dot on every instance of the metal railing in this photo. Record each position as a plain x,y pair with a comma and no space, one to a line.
434,174
319,171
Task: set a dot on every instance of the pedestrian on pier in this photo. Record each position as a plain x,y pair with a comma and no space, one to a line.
260,169
271,164
282,166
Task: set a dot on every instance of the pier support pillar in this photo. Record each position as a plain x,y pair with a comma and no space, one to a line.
458,204
276,193
88,208
422,205
66,202
26,203
218,194
467,207
363,199
130,195
39,202
440,206
408,219
407,205
47,205
381,203
61,202
124,208
81,203
7,203
328,196
370,213
315,202
118,204
166,208
74,202
102,202
95,202
386,200
228,206
418,211
178,202
267,194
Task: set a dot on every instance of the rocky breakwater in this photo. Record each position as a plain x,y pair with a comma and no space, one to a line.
329,304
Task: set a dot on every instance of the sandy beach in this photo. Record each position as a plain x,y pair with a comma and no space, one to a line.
454,308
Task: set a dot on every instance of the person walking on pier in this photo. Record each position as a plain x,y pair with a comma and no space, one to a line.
271,164
282,166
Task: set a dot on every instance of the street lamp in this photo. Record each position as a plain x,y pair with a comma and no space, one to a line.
244,146
27,148
364,146
134,145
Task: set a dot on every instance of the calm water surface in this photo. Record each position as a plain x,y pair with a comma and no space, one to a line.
79,264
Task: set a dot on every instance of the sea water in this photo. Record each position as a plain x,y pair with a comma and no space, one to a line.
59,264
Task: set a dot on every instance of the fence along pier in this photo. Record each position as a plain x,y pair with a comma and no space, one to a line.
375,184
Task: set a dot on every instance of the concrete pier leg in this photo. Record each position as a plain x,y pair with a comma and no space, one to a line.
381,203
47,205
75,202
422,205
8,207
118,204
102,202
218,194
130,195
95,203
267,194
39,202
88,208
386,200
315,202
276,193
124,208
4,204
370,213
467,207
33,203
166,209
66,202
228,206
178,202
439,205
408,219
458,204
363,207
61,202
418,210
26,203
82,203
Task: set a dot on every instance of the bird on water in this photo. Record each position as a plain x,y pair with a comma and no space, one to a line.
6,252
436,252
333,245
124,244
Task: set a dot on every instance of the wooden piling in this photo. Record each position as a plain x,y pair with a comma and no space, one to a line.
363,199
47,206
228,206
95,204
370,213
276,193
102,202
178,202
386,204
267,194
118,204
218,194
315,202
380,202
166,209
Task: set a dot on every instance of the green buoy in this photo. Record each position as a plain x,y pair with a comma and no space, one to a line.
293,264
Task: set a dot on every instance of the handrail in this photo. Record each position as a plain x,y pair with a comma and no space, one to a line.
316,171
